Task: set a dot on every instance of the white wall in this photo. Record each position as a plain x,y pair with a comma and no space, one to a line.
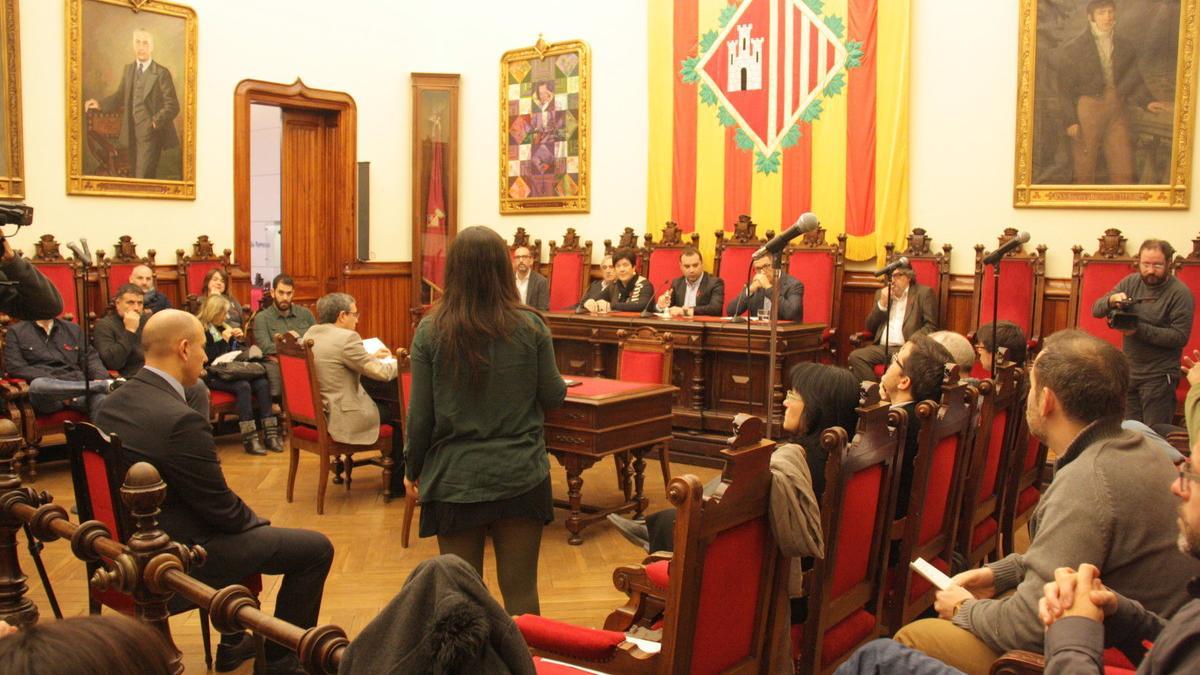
366,48
964,87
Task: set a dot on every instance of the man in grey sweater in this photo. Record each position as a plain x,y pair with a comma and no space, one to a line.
1106,504
1164,308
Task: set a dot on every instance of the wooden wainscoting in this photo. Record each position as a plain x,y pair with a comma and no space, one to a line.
382,291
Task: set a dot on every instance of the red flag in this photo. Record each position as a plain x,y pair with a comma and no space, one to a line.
433,253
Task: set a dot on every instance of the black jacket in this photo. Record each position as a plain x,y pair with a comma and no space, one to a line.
709,298
1080,73
633,296
119,349
791,300
32,296
29,353
155,301
156,426
537,294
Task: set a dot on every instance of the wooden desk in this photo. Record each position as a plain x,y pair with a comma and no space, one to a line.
720,368
600,418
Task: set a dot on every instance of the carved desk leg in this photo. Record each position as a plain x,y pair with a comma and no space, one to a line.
597,355
639,479
697,387
15,608
575,465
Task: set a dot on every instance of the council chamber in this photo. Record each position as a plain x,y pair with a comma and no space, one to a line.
645,336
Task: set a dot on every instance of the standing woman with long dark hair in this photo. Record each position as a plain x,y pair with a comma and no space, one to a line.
483,372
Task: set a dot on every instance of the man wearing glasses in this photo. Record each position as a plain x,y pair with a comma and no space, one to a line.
1164,307
533,288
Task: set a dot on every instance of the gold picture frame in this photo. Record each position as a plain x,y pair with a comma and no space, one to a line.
1097,136
12,164
114,147
545,128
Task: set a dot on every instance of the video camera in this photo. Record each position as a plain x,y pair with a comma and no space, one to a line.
11,213
1122,317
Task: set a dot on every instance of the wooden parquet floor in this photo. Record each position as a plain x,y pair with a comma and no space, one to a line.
370,566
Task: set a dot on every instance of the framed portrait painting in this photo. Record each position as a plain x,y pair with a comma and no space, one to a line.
12,172
131,98
545,111
1105,103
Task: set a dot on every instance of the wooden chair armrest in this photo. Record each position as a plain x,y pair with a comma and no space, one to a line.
861,338
646,603
1018,663
658,556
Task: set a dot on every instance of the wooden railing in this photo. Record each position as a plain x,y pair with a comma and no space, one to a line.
150,567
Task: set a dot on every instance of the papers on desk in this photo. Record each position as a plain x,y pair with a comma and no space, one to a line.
373,345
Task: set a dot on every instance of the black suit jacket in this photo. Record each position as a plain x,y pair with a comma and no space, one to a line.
32,297
709,298
156,301
1081,74
920,314
119,349
537,295
791,300
156,426
160,100
908,457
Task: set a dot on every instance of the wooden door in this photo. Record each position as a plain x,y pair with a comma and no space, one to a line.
311,230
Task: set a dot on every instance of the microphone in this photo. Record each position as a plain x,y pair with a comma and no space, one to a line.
79,253
807,222
646,313
1010,245
892,266
87,252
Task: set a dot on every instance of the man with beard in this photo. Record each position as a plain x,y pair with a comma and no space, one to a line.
531,286
282,316
1164,307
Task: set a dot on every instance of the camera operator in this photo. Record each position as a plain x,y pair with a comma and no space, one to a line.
27,294
1154,312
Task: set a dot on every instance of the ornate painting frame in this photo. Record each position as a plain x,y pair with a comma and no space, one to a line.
1159,164
434,181
12,160
545,128
100,158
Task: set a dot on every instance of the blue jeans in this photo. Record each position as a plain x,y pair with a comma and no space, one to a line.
246,391
888,657
50,395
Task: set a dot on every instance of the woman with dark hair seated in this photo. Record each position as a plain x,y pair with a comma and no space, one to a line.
82,646
220,338
820,397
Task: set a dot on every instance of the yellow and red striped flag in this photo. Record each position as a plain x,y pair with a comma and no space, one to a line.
776,107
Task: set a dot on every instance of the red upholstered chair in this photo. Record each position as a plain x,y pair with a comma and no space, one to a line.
114,271
628,239
725,574
1187,269
820,267
65,274
96,476
643,355
932,270
661,259
939,471
1000,407
1024,278
1094,275
731,262
845,601
309,431
570,269
1024,488
192,269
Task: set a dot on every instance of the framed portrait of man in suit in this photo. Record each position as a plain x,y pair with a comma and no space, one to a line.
545,112
12,171
131,98
1105,103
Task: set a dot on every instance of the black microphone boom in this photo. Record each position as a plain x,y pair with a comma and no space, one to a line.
1010,245
807,222
892,266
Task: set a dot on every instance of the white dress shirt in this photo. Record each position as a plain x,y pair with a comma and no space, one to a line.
523,288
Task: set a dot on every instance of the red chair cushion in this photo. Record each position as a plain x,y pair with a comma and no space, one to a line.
566,270
544,667
1098,278
937,489
659,573
118,276
991,467
57,418
297,391
814,269
664,266
856,519
63,278
725,620
195,275
638,366
927,273
735,268
567,639
1016,303
840,638
986,528
216,398
1028,499
307,433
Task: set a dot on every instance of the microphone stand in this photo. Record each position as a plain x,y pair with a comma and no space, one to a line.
887,327
776,264
995,310
85,330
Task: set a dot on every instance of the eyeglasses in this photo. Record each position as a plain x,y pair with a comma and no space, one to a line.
352,314
1187,476
896,360
1153,266
524,257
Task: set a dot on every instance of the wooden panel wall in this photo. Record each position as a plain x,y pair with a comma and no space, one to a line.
382,292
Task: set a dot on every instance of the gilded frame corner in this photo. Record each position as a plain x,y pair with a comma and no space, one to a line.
81,183
12,182
580,202
1174,194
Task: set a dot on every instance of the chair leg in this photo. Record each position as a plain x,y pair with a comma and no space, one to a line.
206,637
410,503
619,459
349,470
293,464
664,460
322,480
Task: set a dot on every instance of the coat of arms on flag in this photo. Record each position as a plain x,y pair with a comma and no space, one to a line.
767,67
